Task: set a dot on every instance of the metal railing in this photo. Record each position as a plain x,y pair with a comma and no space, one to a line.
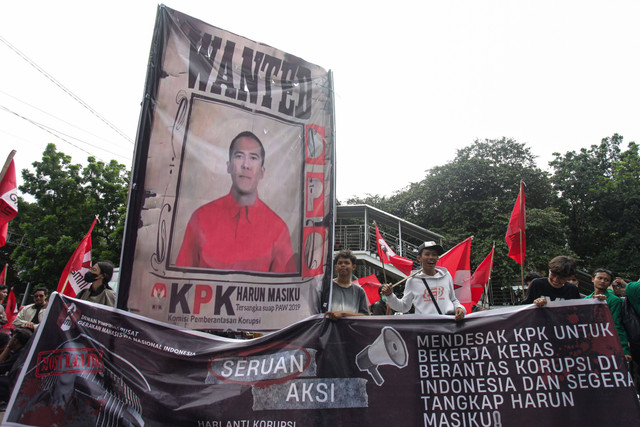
352,237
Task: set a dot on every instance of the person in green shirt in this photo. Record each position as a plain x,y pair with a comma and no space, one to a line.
602,278
632,292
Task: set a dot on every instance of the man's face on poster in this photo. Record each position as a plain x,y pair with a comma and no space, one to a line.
245,166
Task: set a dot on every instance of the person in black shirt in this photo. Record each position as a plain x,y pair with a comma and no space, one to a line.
8,376
554,287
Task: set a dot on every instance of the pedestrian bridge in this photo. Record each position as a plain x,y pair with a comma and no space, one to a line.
355,230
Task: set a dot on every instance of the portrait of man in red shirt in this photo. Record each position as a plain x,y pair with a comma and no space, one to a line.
239,232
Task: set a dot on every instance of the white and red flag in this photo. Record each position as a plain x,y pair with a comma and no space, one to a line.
480,277
388,256
8,197
516,237
72,279
458,262
11,310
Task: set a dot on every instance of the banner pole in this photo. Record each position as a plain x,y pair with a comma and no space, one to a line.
521,266
522,250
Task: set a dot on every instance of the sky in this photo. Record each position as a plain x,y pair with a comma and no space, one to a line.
413,81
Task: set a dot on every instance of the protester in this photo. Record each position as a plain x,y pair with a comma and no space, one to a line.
245,234
631,314
29,317
601,280
554,287
529,277
380,307
99,276
574,281
4,332
347,298
3,297
430,291
618,286
8,357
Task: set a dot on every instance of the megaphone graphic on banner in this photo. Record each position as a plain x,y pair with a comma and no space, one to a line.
388,349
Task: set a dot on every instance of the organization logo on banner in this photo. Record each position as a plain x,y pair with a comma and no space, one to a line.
68,317
158,293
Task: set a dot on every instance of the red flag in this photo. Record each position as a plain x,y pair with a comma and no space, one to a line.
458,262
370,284
8,201
72,279
3,276
516,237
11,310
480,277
387,255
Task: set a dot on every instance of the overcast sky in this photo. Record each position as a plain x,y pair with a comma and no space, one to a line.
414,81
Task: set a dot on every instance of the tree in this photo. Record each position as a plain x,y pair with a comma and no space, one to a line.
600,188
66,199
474,195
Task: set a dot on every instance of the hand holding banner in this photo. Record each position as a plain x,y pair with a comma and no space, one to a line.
92,363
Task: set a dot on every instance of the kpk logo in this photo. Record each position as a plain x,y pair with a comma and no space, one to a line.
158,293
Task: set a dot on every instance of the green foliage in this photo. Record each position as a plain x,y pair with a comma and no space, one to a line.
600,188
66,198
474,194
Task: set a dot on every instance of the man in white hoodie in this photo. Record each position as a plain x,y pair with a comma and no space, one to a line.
430,291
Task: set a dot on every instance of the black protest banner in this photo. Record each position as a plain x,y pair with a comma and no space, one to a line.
525,366
230,213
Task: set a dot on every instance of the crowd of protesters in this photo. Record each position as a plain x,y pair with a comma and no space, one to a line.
430,291
16,339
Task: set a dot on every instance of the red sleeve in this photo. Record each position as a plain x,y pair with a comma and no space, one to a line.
283,260
189,255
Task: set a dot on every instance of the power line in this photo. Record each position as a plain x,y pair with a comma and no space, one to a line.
80,101
55,117
55,133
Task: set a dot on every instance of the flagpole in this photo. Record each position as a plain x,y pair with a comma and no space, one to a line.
486,294
493,254
65,286
6,164
27,291
405,279
470,237
520,236
521,266
384,272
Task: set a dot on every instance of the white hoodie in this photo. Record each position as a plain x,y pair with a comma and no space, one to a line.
415,293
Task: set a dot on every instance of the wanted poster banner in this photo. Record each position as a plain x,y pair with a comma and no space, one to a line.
231,205
522,366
